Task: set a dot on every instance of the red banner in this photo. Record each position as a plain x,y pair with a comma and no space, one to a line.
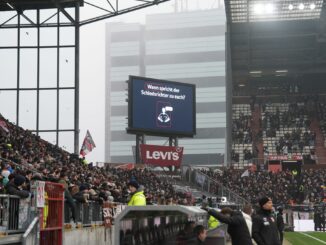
161,155
284,158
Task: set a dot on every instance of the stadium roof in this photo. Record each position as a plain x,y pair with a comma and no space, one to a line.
277,40
91,11
238,11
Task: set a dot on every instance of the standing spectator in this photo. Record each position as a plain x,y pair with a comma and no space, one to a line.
247,212
14,187
280,223
68,198
264,227
237,227
322,220
138,198
83,194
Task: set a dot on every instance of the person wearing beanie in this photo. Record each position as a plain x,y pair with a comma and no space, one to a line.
137,194
13,187
264,226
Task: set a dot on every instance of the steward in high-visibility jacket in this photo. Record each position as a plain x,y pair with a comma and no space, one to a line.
138,198
212,223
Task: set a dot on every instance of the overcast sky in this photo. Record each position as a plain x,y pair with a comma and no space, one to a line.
92,68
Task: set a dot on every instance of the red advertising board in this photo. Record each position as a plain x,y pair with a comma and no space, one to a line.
161,155
284,158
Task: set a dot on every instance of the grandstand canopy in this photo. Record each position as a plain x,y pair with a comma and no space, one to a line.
6,5
283,40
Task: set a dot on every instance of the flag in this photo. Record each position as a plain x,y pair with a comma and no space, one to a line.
245,173
3,125
88,144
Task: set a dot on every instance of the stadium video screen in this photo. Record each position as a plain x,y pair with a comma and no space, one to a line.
159,107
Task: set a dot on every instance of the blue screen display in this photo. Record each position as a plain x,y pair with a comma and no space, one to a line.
161,106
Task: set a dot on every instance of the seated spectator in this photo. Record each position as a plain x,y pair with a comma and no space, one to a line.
200,235
186,234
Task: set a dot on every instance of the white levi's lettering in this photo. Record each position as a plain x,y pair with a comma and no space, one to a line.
162,155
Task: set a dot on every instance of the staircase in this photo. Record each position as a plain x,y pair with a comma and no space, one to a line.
320,148
256,116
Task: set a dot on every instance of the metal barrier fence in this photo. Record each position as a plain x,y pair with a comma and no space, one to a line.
206,183
85,213
14,213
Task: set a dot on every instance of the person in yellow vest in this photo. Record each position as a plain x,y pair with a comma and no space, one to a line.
294,172
45,209
137,194
212,223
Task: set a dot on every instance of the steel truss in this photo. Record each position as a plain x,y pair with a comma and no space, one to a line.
67,14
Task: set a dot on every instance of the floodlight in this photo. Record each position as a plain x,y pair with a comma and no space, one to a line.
269,8
301,6
312,6
290,7
258,8
255,72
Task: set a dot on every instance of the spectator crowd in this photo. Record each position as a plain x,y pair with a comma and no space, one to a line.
283,187
26,157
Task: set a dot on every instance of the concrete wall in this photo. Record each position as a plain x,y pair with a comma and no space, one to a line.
88,236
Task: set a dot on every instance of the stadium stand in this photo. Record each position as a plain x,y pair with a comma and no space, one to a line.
241,133
287,129
38,159
282,187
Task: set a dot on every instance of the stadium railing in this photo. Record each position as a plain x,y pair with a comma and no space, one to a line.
87,214
15,213
200,180
30,236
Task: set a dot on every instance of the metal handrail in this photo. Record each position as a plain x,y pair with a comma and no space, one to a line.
226,188
30,229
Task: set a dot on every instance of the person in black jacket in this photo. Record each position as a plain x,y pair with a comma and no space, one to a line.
280,223
237,226
14,187
264,227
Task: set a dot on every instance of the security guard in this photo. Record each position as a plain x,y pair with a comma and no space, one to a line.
138,198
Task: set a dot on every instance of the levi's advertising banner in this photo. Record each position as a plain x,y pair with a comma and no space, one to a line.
162,107
162,156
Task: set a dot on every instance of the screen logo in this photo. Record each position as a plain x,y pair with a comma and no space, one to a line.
164,114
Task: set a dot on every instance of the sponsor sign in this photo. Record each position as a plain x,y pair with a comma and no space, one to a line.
40,194
284,158
161,155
